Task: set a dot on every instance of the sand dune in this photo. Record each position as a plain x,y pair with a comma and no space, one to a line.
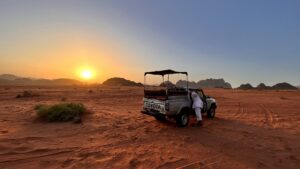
253,129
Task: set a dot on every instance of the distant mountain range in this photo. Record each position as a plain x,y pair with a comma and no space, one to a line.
208,83
118,81
262,86
9,79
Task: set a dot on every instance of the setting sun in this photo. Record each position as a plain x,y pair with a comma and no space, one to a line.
86,74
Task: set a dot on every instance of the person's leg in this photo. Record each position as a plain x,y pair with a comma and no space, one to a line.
198,114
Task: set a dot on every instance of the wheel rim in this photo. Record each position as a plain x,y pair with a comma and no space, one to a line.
184,119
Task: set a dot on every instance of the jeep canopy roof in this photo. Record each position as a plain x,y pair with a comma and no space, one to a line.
165,72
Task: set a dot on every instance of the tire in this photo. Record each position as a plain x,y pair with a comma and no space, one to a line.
182,119
211,112
160,118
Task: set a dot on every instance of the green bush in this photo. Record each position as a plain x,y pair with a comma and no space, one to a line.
60,112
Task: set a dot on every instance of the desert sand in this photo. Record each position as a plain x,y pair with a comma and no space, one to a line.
252,129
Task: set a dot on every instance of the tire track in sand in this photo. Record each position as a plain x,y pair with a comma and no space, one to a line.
271,118
237,112
203,163
241,112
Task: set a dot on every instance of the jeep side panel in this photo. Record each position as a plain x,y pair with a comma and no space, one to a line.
176,103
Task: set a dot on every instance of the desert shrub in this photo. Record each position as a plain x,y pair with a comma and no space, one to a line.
60,112
63,99
26,94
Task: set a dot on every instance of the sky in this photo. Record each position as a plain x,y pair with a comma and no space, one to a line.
242,41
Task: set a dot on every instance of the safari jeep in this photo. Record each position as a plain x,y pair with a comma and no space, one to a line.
173,102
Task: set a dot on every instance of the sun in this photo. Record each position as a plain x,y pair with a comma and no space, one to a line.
86,74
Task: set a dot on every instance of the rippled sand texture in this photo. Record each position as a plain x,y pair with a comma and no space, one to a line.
252,129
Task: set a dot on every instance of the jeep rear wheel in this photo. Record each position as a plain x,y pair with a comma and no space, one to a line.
211,112
182,119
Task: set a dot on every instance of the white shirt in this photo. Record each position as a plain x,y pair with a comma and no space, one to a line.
197,102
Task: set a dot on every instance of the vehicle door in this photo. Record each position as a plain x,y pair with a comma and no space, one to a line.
203,98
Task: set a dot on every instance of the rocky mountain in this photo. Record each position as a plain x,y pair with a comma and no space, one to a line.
246,86
8,79
117,81
182,83
208,83
214,83
284,86
298,87
262,86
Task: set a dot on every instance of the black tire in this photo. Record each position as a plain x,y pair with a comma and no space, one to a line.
182,119
211,112
160,118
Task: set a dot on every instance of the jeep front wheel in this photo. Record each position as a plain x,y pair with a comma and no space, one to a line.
182,119
211,112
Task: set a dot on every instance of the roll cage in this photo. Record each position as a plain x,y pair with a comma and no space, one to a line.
166,72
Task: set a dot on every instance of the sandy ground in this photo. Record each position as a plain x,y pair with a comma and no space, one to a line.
253,129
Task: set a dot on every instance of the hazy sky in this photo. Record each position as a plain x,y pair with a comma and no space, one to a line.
239,40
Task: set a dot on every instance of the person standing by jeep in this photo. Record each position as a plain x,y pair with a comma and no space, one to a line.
197,106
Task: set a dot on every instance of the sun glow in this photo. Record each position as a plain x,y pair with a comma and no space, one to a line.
86,74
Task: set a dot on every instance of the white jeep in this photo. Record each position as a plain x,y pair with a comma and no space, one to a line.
168,101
